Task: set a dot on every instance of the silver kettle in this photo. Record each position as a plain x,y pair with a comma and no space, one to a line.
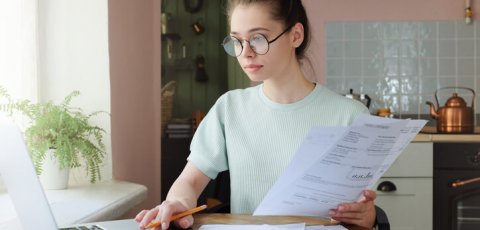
364,98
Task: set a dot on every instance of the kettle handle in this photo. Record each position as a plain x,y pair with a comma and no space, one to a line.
368,100
452,87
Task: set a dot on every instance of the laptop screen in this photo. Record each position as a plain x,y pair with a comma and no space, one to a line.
20,179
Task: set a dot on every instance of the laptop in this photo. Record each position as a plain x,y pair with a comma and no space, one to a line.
26,193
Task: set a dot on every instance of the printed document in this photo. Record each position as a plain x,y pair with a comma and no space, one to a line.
335,164
298,226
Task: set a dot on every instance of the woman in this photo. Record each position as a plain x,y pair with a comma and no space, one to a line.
254,132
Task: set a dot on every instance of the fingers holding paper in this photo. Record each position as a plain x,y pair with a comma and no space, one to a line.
361,213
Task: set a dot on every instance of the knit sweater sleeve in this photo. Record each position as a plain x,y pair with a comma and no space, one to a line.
208,149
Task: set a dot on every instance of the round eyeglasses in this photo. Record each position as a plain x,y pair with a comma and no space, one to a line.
258,43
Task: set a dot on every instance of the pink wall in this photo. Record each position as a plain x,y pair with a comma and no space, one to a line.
134,47
322,11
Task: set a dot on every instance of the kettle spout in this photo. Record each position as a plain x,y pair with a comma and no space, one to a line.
433,112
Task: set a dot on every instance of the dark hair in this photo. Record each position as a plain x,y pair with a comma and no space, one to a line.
288,12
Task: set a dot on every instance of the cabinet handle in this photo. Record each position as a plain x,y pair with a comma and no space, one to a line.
386,186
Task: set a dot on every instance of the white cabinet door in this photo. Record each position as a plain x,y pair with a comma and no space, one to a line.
415,161
410,205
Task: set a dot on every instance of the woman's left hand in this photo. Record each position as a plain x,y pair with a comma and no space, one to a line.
361,213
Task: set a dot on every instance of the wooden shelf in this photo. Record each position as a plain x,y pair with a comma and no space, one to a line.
171,36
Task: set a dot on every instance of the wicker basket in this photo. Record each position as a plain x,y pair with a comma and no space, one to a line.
167,103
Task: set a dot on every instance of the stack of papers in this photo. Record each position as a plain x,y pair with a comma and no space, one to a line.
298,226
335,164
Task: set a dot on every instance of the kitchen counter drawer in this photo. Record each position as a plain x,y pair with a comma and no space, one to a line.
415,161
410,205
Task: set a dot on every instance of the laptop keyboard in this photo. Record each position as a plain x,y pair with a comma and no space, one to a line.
92,227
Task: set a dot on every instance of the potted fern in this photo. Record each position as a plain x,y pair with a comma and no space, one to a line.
62,131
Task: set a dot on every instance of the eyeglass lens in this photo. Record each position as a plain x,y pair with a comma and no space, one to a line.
234,46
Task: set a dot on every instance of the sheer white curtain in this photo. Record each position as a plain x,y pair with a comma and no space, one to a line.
19,47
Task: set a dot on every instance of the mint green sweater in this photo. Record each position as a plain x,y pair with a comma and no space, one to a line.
255,138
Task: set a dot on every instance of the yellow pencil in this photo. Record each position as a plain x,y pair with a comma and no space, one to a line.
157,223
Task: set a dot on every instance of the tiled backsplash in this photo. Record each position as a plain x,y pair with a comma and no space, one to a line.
400,65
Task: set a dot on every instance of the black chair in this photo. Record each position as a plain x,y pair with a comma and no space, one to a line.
219,189
382,219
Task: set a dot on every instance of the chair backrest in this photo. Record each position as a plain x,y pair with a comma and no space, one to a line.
382,219
218,191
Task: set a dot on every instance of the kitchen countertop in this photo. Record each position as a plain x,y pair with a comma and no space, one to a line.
429,134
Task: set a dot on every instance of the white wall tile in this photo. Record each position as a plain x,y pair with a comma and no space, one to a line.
400,65
446,30
466,48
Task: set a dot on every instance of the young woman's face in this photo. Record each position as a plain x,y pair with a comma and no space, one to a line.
248,21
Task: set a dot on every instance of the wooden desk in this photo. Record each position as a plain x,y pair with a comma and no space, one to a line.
216,218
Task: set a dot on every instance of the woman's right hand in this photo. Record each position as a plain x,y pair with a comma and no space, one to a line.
182,196
162,213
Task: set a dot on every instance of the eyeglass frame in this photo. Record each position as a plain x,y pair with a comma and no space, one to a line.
254,50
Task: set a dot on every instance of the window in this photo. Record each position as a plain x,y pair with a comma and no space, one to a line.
18,45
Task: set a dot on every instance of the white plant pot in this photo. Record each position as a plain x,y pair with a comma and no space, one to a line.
52,177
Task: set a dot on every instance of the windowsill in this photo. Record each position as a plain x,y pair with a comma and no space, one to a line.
102,201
